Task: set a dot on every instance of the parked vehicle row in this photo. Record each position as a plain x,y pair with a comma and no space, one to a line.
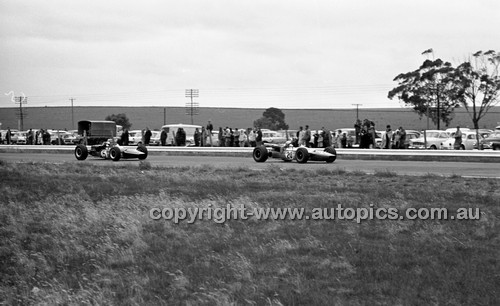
429,139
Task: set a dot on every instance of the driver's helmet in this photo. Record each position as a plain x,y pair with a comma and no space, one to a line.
288,143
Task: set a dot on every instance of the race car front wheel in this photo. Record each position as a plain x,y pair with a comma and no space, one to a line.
144,150
115,154
302,155
331,150
81,152
260,154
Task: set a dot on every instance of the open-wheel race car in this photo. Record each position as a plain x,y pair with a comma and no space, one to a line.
288,153
110,150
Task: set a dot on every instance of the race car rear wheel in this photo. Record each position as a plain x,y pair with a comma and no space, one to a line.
302,155
260,154
115,154
144,150
331,150
81,152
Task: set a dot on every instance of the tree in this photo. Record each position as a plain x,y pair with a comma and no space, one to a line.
119,119
429,90
479,84
272,118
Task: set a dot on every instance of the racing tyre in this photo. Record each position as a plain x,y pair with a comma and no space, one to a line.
260,154
331,150
115,154
302,155
81,152
143,149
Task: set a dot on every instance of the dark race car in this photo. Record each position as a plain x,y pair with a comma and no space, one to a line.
287,152
109,150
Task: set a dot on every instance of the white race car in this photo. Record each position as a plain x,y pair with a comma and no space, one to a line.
287,152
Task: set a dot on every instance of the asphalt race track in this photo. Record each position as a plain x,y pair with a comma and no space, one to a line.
464,169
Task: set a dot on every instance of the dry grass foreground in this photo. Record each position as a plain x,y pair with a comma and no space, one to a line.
81,234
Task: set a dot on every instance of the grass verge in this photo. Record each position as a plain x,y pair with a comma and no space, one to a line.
81,234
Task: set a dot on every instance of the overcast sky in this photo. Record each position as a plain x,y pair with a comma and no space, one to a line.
238,53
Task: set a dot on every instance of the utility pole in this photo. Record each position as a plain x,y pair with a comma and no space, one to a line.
21,100
357,110
72,114
192,108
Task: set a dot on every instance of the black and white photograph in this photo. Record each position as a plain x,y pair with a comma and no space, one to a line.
237,152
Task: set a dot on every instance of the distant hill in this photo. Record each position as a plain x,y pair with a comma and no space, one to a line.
155,117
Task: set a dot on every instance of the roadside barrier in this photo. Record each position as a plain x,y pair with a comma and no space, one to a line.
362,154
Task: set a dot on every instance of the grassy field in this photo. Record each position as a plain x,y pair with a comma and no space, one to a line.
75,234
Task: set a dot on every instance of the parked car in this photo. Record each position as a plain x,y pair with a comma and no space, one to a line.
155,138
411,134
492,141
18,138
57,136
288,134
72,138
134,137
269,136
435,138
468,141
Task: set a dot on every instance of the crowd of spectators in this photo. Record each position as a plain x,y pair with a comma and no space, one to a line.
365,137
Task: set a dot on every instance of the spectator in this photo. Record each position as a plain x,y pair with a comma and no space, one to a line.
147,136
197,137
357,128
373,135
210,128
307,136
46,138
258,138
402,138
327,139
395,139
37,134
163,137
387,138
300,135
236,137
365,138
343,140
321,137
227,137
124,138
252,137
457,145
203,141
29,137
221,137
8,136
243,138
180,137
338,138
315,139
